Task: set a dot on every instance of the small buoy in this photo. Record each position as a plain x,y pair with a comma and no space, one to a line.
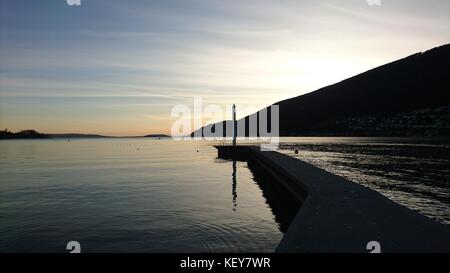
296,151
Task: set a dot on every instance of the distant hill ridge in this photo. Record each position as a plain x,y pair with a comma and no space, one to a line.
32,134
403,88
75,135
157,136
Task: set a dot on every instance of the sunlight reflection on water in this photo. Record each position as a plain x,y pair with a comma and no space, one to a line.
412,172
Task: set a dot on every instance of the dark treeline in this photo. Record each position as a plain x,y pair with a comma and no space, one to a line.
5,134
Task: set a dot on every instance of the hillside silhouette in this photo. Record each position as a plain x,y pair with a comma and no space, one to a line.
408,97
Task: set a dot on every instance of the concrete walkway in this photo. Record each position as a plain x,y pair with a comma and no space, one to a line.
340,216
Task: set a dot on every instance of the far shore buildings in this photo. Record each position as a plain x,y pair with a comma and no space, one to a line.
425,122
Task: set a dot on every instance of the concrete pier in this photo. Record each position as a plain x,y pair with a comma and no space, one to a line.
340,216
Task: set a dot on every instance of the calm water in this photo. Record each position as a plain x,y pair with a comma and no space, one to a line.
143,195
130,195
412,172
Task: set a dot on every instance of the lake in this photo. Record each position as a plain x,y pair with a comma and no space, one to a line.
129,195
148,195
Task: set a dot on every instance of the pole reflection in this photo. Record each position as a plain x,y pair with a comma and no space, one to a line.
234,186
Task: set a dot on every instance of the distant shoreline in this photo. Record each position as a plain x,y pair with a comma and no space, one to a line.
32,134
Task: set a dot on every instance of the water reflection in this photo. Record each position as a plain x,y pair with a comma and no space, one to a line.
234,186
413,174
128,195
283,204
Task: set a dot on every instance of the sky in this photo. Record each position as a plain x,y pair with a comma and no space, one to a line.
117,67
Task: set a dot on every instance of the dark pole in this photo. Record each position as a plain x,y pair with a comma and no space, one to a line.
234,125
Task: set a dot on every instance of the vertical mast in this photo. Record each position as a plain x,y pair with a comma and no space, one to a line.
234,125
